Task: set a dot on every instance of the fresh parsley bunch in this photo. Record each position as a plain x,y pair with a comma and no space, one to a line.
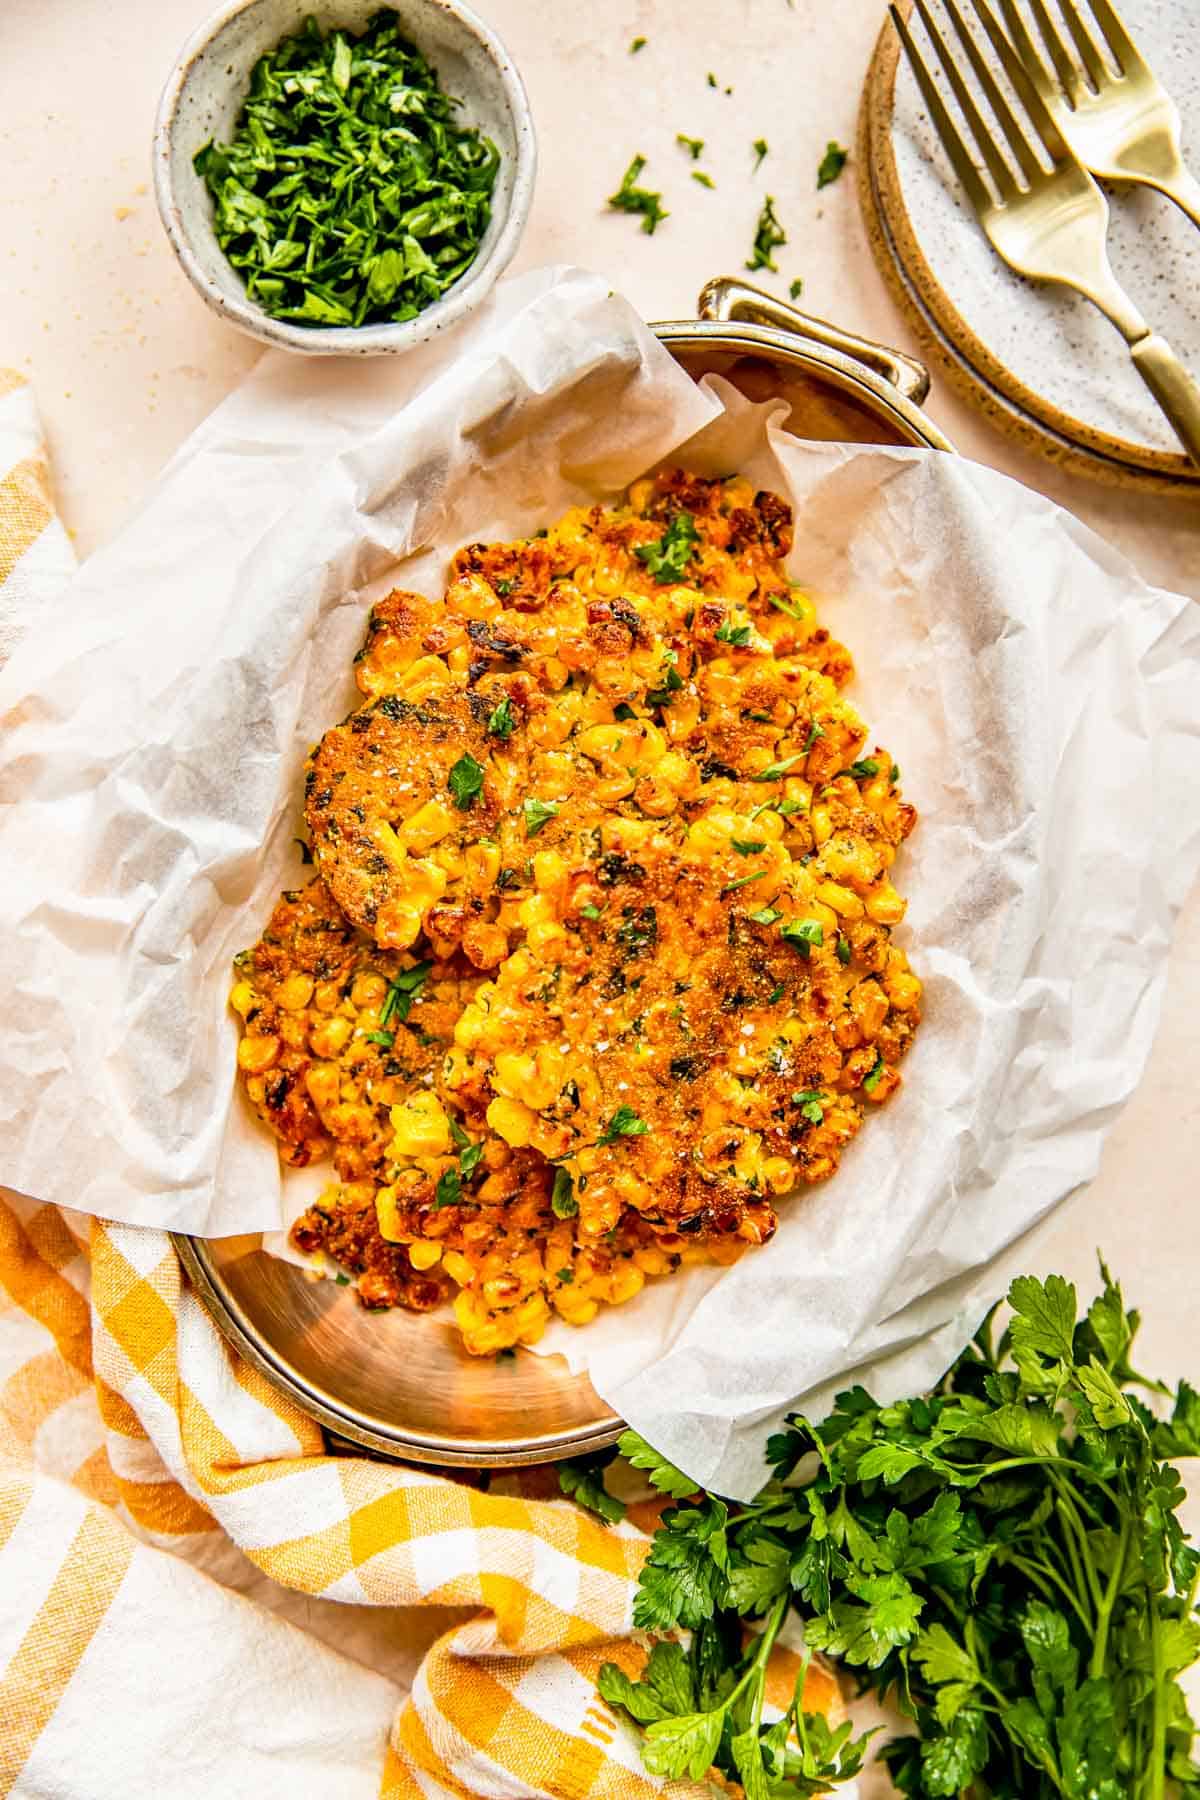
348,194
1001,1558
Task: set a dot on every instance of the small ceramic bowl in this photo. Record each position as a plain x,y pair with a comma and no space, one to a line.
205,93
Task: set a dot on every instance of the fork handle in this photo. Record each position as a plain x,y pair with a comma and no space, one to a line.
1177,394
1184,190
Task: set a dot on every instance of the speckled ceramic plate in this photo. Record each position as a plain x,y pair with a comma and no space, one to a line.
1040,361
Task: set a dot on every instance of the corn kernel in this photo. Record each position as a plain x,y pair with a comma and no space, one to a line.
427,826
243,998
424,1255
885,905
256,1054
457,1267
421,1127
331,1035
511,1120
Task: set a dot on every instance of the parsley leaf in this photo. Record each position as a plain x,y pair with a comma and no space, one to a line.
583,1482
795,288
501,722
760,148
404,990
768,235
737,635
563,1203
662,1474
804,934
705,181
811,1107
667,559
624,1123
766,915
774,771
465,781
747,846
693,146
537,814
630,198
639,43
831,164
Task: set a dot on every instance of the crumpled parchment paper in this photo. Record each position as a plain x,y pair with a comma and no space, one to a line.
1044,705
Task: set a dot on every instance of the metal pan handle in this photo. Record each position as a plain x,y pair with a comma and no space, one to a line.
725,298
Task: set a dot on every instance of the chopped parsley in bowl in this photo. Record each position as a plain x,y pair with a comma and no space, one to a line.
353,187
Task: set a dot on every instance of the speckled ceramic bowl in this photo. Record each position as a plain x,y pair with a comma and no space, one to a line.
204,95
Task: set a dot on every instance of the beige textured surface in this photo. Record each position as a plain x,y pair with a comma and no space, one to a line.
126,359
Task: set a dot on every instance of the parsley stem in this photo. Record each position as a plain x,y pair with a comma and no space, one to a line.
757,1664
1104,1615
1158,1742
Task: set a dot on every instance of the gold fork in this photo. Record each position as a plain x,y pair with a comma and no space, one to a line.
1123,126
1048,225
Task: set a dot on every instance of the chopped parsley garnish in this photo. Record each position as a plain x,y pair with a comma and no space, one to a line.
861,771
588,911
706,181
760,148
776,994
404,991
895,773
832,164
872,1081
768,235
731,887
623,711
809,1102
504,586
787,807
815,731
538,813
803,933
774,771
624,1123
501,722
384,1038
667,558
843,949
566,1276
737,635
748,846
563,1203
448,1191
342,1280
639,43
712,80
631,198
670,683
348,194
795,288
466,779
766,915
693,146
787,605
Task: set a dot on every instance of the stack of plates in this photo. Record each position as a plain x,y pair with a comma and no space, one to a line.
1041,362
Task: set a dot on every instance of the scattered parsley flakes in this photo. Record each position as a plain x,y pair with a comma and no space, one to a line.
404,991
342,1280
630,198
348,194
832,164
776,994
872,1081
448,1191
538,813
667,558
624,1123
736,635
639,43
748,846
465,781
562,1196
712,80
731,887
895,773
815,731
768,235
804,934
501,722
693,146
588,911
776,770
843,949
761,148
706,181
809,1102
795,288
766,915
566,1276
862,770
385,1039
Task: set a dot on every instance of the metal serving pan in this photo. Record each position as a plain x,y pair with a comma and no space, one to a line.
397,1383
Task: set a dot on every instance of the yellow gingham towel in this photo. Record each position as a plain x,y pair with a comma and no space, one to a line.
194,1597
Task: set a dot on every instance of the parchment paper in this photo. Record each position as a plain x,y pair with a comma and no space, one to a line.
1044,705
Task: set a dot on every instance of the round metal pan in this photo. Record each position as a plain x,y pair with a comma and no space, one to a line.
399,1384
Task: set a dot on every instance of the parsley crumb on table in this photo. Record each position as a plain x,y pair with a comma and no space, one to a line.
631,198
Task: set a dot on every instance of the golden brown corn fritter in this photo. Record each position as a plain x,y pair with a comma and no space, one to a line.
598,962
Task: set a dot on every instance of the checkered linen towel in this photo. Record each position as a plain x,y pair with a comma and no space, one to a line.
194,1595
